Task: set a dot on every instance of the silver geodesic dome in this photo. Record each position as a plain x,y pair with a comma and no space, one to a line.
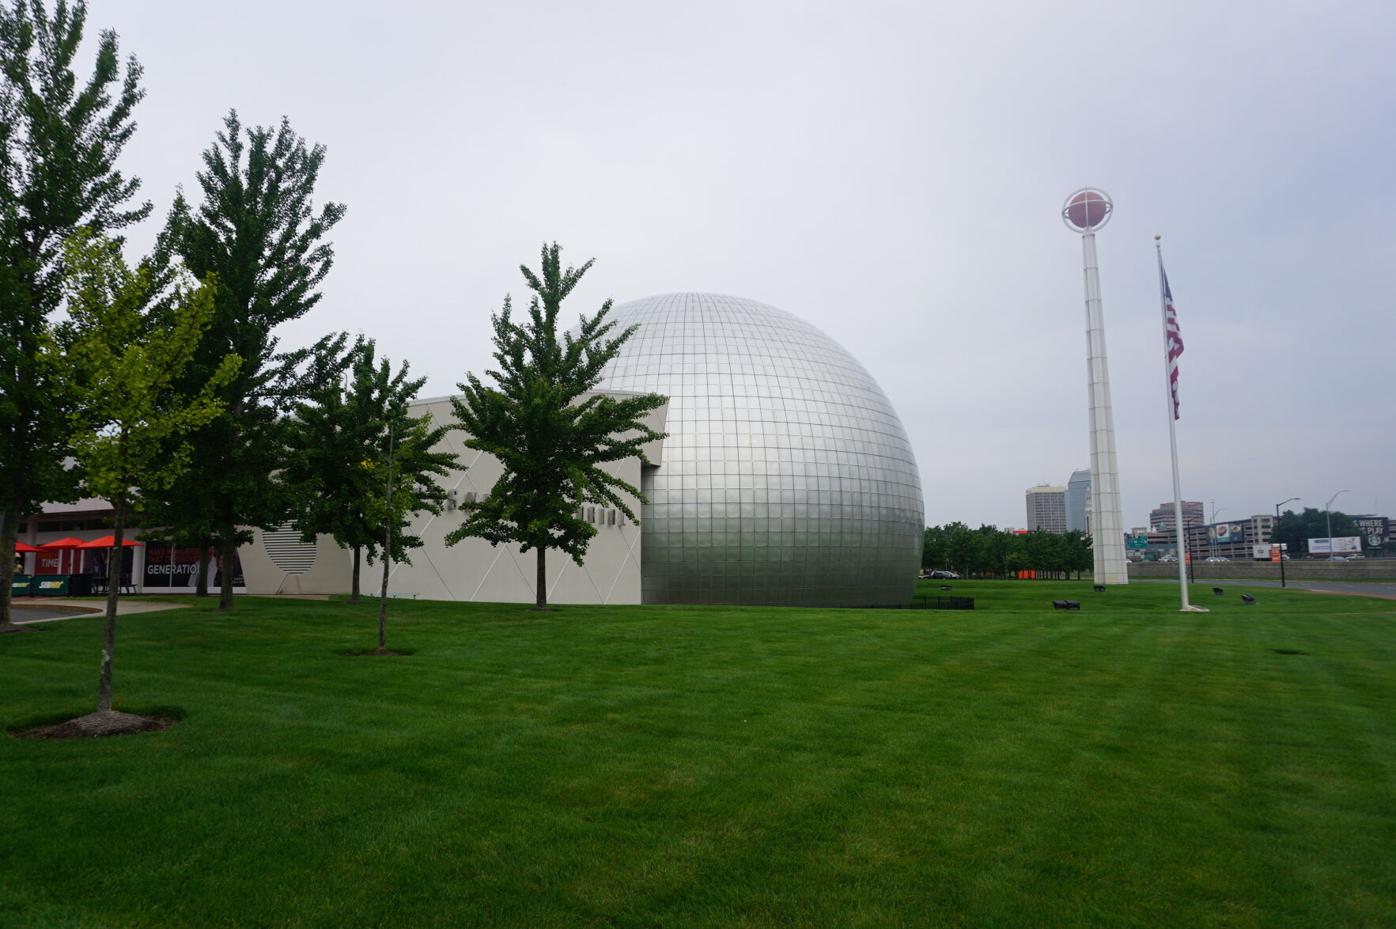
787,477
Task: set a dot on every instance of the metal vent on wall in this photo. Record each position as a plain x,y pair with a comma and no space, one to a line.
287,551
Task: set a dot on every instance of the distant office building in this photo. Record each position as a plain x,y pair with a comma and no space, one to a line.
1163,519
1163,536
1047,508
1078,494
1235,540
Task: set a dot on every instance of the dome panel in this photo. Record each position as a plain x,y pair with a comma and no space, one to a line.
787,477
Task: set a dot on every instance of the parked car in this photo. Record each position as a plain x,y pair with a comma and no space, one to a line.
943,576
1217,559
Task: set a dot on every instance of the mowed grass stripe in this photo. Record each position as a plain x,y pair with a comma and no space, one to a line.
675,766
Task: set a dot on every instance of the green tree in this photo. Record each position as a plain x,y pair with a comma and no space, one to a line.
337,440
59,143
550,433
1016,557
1296,529
408,488
258,231
991,551
1038,548
933,549
959,547
1078,555
121,364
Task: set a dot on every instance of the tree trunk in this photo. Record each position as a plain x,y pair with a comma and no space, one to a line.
9,530
205,556
540,600
354,593
114,559
387,550
229,546
383,607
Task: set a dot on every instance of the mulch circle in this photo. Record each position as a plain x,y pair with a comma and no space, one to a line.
98,725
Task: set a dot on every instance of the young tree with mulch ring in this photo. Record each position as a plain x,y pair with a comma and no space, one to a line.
130,424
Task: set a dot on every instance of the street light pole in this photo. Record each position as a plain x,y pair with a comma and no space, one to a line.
1212,533
1328,514
1277,529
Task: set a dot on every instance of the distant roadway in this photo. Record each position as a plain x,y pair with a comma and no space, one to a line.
1383,589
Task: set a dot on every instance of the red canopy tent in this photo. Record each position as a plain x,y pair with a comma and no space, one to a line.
108,541
62,545
69,544
24,548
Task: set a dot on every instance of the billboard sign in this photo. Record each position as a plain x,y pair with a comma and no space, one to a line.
1373,529
1226,532
1260,552
1339,545
175,569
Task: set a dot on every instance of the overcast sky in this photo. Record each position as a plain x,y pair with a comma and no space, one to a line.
892,173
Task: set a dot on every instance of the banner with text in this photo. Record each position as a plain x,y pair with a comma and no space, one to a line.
1340,545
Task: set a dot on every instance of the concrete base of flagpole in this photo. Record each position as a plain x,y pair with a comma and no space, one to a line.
1194,609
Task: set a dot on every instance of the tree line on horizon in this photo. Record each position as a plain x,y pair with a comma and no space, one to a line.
160,384
993,552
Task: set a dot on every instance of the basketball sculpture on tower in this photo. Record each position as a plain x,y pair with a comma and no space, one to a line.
1087,210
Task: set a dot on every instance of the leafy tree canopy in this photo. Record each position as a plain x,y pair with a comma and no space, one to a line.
992,552
339,438
120,366
1295,529
551,433
258,231
60,140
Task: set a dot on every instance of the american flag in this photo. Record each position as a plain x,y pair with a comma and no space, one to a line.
1175,341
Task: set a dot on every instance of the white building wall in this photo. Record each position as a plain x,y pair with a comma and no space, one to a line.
473,569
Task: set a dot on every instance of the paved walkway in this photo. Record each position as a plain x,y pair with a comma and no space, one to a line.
1385,590
51,609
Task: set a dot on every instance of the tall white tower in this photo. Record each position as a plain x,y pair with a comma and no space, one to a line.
1087,210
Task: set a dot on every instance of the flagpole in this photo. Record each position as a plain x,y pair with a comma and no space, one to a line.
1179,529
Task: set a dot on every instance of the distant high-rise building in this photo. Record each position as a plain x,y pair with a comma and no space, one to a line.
1046,508
1163,524
1078,491
1162,518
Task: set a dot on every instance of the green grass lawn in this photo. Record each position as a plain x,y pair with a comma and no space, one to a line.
712,767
